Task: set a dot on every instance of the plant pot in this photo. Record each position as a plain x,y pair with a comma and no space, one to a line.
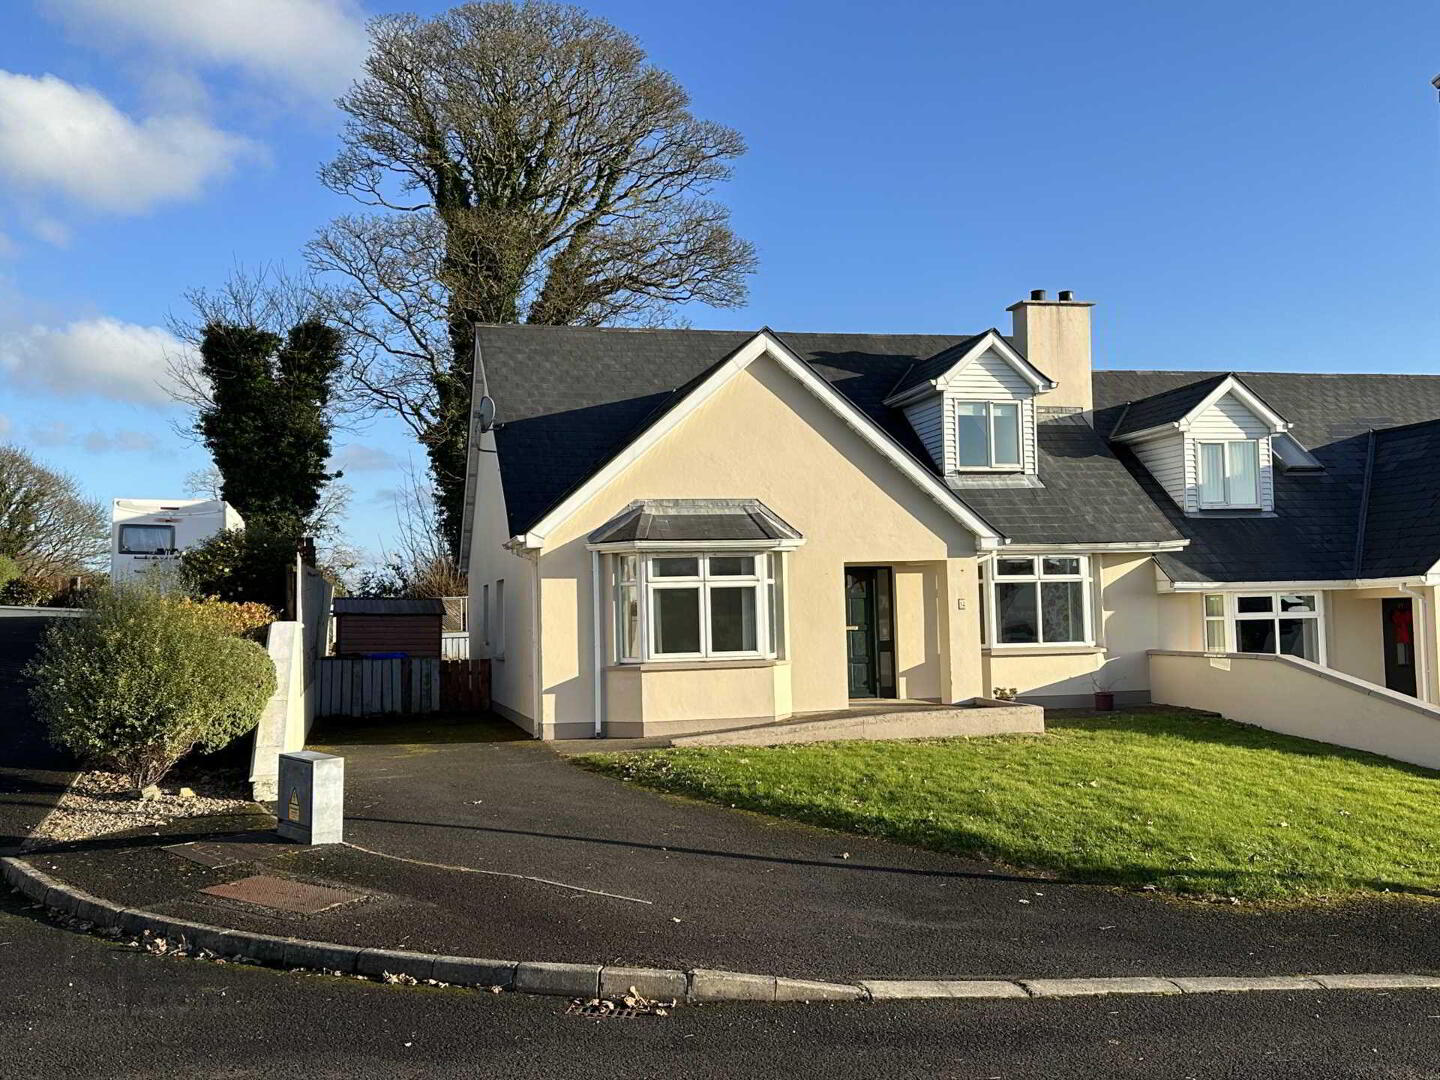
1104,701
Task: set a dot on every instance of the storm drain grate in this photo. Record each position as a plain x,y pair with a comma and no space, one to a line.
282,894
602,1010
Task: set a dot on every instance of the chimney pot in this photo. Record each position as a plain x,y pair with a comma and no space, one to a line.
1037,294
1067,294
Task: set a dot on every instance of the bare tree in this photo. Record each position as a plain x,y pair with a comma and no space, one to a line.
46,524
527,164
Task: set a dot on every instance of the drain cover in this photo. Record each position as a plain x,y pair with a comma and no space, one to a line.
601,1010
218,853
282,894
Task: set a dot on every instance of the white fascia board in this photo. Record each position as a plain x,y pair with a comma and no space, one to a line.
1145,434
765,343
1231,385
1292,586
696,545
1140,546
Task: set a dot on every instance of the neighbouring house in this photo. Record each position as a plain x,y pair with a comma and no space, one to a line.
670,531
371,625
147,534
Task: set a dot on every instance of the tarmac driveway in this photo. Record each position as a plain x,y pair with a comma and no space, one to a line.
729,889
33,774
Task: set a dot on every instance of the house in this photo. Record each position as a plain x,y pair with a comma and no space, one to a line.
670,531
150,533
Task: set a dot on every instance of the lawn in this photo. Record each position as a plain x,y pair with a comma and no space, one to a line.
1186,803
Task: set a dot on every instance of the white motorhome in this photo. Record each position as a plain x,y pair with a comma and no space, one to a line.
147,533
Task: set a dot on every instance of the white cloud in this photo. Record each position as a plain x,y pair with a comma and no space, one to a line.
95,357
313,46
59,138
122,441
360,457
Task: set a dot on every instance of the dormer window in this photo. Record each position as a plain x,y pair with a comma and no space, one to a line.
1229,474
987,435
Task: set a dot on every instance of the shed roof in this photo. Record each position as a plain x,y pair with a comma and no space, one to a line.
388,605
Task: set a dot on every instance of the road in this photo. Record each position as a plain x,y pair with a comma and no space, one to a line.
75,1006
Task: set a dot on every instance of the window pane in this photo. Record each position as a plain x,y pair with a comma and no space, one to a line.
1212,473
677,620
628,565
627,624
1006,420
1215,635
1244,604
732,619
1214,605
1299,637
146,539
1255,635
732,565
1014,567
1059,565
1243,479
1062,614
688,566
971,435
1297,601
1015,613
777,603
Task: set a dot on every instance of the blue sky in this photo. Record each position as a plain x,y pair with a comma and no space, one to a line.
1244,186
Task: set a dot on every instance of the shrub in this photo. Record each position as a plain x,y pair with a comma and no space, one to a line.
9,570
25,592
245,620
242,565
145,679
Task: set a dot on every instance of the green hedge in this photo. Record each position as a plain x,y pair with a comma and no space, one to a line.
143,680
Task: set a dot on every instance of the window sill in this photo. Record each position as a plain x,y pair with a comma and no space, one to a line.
698,665
1043,650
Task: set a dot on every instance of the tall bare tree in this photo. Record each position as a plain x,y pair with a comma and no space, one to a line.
47,526
525,163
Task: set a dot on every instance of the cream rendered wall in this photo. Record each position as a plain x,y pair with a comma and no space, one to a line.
1354,643
1180,621
763,435
512,677
1126,609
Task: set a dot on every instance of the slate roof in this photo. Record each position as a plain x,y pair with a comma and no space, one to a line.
569,398
1402,512
932,367
387,605
695,519
1313,533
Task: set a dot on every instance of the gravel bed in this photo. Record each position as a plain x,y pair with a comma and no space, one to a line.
98,803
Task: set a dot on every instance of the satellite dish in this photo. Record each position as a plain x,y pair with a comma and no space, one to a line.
485,413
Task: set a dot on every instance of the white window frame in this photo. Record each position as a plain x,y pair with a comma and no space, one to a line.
1228,502
993,459
497,627
121,548
1036,577
766,582
485,614
1234,616
1222,620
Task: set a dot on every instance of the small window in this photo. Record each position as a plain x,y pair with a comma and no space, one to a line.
1230,474
498,627
147,539
485,614
987,435
1216,638
1283,623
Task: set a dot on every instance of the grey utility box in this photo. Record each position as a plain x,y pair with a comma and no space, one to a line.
311,798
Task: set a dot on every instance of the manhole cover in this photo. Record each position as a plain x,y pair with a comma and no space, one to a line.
282,894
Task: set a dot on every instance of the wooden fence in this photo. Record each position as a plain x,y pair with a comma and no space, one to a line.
347,686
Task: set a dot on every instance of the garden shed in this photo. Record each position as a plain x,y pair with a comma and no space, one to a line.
370,625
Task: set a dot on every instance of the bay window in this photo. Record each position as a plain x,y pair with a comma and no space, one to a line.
1230,474
987,435
1038,600
1283,623
696,606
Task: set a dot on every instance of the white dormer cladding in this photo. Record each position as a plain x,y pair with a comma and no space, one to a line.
1228,434
988,375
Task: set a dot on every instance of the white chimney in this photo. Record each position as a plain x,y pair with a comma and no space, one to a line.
1054,335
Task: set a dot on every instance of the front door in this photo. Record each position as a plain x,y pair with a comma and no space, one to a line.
1399,638
869,632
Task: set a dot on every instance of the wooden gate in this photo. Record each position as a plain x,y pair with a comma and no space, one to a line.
356,686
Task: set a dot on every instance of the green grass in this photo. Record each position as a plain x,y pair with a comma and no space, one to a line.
1189,804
